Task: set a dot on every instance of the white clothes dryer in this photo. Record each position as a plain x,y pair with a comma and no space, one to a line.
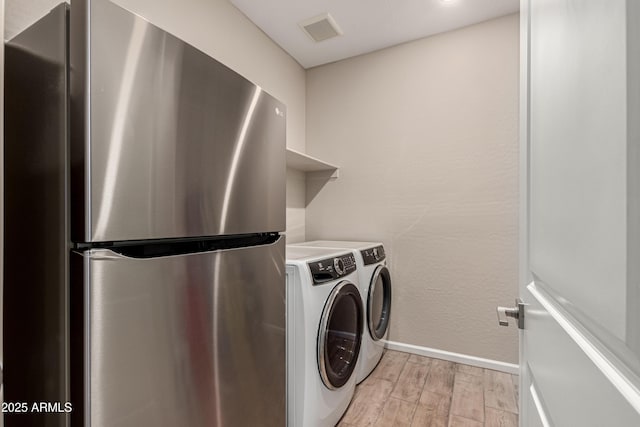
324,334
375,288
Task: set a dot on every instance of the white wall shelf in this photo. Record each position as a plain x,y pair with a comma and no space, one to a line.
305,163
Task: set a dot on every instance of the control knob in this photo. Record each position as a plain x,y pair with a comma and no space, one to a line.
338,264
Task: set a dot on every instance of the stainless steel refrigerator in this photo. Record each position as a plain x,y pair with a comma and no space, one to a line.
145,197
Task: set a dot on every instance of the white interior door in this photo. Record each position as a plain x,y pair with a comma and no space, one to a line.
580,349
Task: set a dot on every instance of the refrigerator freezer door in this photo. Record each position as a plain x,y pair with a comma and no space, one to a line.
166,141
191,340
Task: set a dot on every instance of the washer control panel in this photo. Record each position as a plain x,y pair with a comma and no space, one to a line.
332,268
373,255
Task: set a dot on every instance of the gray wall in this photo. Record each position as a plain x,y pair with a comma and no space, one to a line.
426,135
296,207
220,30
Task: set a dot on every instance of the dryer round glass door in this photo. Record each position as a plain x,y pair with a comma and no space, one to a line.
379,303
340,335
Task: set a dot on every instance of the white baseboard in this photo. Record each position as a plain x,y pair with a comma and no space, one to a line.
453,357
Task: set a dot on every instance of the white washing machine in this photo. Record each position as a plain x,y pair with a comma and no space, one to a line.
375,288
324,334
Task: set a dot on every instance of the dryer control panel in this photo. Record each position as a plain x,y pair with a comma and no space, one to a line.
373,255
332,268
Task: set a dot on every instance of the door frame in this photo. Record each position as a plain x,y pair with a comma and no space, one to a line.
608,362
523,164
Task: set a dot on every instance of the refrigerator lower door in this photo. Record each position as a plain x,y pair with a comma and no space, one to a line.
189,340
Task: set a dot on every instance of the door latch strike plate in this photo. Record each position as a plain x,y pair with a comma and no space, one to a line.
516,312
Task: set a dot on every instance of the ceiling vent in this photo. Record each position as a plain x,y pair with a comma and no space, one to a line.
321,27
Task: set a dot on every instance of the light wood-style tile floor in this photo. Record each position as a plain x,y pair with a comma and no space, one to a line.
410,390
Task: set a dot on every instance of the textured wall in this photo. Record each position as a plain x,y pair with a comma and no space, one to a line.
19,14
220,30
426,135
296,209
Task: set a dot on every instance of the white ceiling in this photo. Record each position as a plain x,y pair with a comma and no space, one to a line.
368,25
